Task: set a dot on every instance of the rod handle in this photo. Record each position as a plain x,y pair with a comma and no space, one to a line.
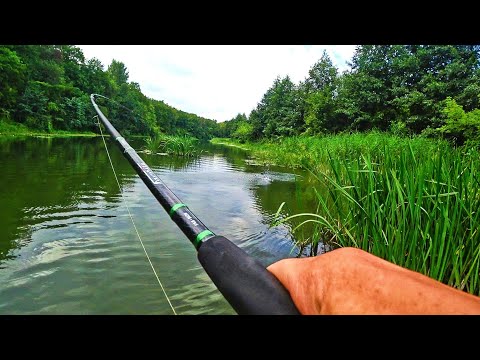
246,284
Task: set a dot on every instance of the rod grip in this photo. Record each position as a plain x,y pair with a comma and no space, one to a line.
248,286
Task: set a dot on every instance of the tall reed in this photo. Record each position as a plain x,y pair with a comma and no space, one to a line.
174,145
416,207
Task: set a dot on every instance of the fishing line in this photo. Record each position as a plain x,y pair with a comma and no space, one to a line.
244,282
133,222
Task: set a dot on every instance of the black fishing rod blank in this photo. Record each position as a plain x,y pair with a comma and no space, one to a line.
244,282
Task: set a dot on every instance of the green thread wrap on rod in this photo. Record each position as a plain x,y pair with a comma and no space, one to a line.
175,208
201,236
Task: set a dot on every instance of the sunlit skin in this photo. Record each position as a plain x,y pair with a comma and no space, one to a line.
352,281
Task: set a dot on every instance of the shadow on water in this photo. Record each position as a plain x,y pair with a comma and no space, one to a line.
66,239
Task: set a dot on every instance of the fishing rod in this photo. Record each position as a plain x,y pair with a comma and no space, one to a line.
245,283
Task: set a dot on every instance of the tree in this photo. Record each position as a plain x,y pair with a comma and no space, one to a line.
118,72
229,127
321,75
278,112
47,87
96,79
318,95
243,132
460,126
408,83
73,62
12,79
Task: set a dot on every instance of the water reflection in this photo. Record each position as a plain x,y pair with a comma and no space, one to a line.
67,244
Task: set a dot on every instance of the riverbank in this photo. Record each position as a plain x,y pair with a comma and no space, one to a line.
412,201
8,128
313,151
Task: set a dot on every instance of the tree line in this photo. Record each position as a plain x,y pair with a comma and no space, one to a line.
48,87
431,90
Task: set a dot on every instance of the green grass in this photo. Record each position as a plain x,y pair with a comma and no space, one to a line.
313,151
174,145
10,128
414,202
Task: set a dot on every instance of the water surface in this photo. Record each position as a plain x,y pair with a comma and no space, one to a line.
68,246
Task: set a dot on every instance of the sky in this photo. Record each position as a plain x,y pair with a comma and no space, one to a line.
215,81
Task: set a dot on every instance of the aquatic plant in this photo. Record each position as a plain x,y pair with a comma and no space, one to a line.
417,209
173,145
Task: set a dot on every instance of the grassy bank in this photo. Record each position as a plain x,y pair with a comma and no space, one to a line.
314,152
413,202
15,129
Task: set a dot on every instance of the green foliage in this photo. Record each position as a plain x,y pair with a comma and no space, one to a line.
409,83
411,201
460,125
47,88
399,128
12,78
243,132
8,127
317,96
319,111
399,88
78,110
321,75
152,144
417,209
33,107
118,72
173,145
227,128
314,152
278,114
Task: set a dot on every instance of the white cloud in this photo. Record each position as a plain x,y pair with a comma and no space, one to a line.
214,81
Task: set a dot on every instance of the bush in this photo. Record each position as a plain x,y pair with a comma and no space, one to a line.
460,126
244,132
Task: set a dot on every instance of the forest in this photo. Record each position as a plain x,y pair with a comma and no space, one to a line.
47,88
426,90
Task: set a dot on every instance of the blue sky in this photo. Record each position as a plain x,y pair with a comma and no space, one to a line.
215,81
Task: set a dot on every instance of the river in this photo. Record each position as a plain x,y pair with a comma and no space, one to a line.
68,246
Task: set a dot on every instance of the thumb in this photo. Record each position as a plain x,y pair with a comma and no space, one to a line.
285,271
294,274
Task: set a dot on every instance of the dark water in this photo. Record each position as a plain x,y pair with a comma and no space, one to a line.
67,244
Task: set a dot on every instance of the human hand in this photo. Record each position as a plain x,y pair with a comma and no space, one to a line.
352,281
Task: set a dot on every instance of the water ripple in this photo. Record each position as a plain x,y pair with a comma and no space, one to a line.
72,247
